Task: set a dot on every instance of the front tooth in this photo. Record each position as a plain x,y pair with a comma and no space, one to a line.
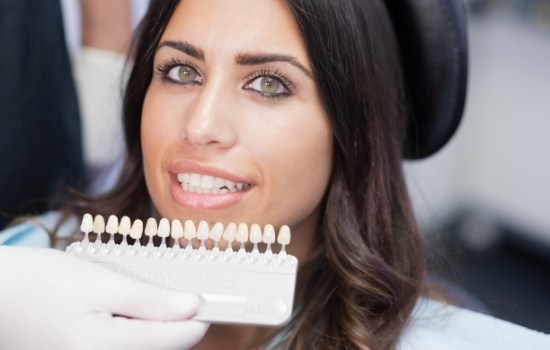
195,180
164,228
203,230
207,181
219,183
242,233
151,227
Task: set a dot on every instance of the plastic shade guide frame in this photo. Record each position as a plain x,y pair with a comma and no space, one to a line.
236,286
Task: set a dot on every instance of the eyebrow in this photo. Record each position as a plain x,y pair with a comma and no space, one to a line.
241,59
184,47
256,59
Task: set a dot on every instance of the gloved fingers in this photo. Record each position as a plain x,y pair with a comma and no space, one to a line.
142,334
141,300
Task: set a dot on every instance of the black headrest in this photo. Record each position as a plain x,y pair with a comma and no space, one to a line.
432,36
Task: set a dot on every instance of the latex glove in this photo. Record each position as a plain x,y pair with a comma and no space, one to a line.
53,300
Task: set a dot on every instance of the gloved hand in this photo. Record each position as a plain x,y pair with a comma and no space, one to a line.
53,300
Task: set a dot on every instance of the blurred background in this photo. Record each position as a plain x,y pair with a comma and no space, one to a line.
484,200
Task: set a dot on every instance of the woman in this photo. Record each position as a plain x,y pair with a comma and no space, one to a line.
310,121
296,111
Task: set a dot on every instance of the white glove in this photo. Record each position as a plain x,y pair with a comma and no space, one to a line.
53,300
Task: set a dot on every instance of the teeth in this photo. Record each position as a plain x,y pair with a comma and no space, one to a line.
241,233
191,182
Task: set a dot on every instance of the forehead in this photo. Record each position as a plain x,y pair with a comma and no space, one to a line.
237,26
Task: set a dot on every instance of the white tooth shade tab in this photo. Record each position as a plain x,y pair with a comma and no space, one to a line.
137,229
241,233
164,228
112,225
203,231
284,235
177,229
189,231
246,287
269,234
87,224
124,226
216,232
255,233
99,224
230,232
151,227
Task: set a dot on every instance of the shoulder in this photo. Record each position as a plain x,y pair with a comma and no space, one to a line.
435,325
34,232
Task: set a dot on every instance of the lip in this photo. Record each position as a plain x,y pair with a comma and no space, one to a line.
202,201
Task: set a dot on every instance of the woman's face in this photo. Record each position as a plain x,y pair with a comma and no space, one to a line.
233,129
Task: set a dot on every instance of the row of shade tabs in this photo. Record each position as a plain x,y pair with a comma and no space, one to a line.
164,228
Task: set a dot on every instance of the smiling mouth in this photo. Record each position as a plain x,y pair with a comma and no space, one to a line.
206,184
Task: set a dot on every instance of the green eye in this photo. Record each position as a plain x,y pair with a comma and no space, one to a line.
187,74
270,85
184,74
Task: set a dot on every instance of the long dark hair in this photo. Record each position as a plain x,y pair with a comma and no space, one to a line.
366,272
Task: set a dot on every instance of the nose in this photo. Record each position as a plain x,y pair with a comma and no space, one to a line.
208,121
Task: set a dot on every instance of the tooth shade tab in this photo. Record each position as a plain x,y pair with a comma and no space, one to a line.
124,226
203,231
177,229
189,231
163,228
99,224
242,233
112,225
151,227
255,233
136,231
87,224
284,235
269,234
216,232
230,232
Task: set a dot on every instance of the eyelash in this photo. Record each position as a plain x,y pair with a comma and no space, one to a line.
165,67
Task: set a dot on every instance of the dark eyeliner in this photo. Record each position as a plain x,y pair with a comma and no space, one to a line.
274,74
164,68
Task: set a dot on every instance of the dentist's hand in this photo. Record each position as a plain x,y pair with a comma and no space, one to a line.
53,300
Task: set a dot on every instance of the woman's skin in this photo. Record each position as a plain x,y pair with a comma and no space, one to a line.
232,96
